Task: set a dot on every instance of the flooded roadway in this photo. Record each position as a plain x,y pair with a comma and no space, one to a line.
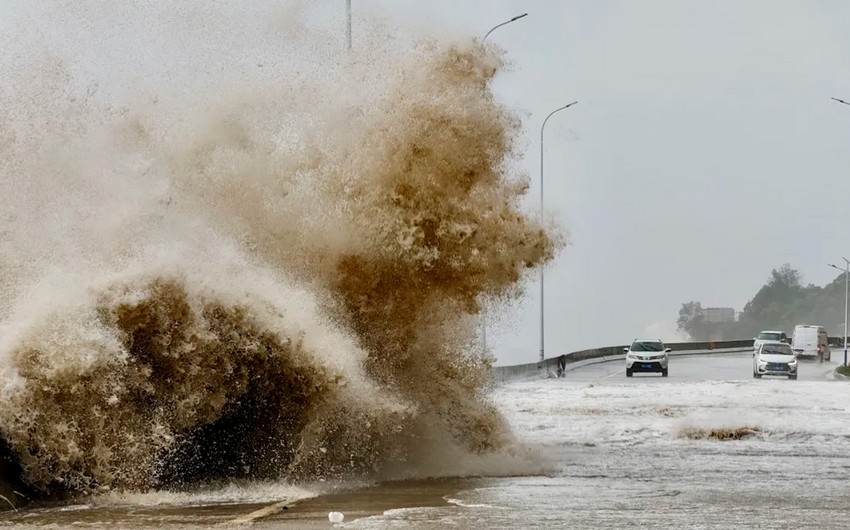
644,452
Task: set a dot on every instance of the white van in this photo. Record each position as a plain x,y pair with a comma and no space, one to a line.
809,339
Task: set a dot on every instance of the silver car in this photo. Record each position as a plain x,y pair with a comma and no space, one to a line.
768,336
646,356
775,358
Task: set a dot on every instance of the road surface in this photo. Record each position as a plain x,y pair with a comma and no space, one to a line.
596,450
695,368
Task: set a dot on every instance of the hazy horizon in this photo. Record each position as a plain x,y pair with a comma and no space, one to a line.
704,151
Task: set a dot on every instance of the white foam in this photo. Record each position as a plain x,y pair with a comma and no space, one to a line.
231,494
611,414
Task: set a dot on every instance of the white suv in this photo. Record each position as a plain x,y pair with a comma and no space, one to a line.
646,356
774,358
767,336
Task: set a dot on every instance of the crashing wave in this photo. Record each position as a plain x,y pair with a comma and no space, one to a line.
250,276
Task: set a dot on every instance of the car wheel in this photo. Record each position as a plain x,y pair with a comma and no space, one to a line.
794,377
628,373
664,372
757,376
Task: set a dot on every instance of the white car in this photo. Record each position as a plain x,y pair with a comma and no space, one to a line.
646,356
765,336
775,358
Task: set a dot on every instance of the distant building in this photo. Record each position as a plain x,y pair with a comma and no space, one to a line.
719,314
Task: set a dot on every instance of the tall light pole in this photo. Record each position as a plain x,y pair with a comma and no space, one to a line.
483,309
542,327
502,24
348,25
846,293
846,278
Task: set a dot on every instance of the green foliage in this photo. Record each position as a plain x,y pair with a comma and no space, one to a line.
691,319
782,303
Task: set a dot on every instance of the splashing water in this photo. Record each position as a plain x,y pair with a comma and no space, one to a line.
229,251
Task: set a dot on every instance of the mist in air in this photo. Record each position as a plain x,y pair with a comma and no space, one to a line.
228,249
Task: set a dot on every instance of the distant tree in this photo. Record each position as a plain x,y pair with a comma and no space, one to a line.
781,303
691,319
778,303
784,278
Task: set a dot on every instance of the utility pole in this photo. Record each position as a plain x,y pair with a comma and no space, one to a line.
542,292
846,294
348,25
846,277
502,24
483,309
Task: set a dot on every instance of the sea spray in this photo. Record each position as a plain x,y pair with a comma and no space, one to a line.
216,267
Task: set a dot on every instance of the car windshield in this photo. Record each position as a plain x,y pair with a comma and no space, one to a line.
647,346
776,349
768,336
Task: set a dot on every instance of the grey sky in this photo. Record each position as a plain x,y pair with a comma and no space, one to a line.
704,152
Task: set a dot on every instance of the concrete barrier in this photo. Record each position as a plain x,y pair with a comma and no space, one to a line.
549,367
836,342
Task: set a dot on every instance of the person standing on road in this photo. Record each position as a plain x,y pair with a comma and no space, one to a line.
562,365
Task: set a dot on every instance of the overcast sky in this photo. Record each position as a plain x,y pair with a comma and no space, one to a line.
704,151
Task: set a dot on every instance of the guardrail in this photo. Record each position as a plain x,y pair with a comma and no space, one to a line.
503,374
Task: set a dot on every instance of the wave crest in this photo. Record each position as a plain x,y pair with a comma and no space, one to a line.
255,277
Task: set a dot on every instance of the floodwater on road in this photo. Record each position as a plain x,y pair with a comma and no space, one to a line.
707,447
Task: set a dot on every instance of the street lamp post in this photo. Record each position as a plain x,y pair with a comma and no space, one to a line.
846,278
348,25
846,293
502,24
483,310
542,327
